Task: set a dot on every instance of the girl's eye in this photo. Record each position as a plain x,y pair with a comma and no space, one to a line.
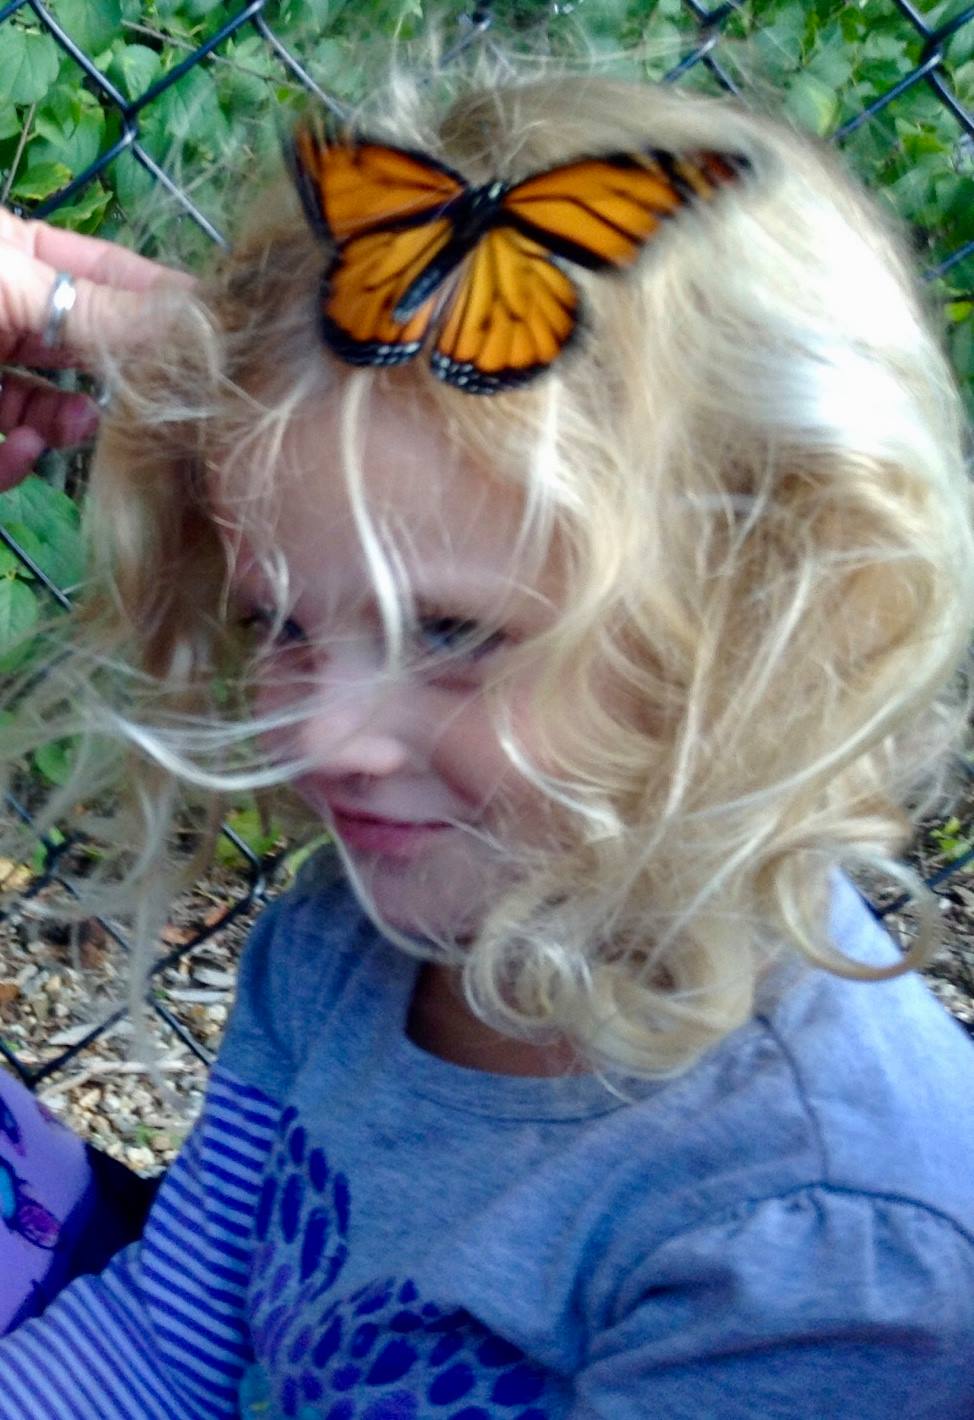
289,633
449,633
445,635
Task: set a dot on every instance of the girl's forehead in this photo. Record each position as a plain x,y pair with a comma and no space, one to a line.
411,481
447,523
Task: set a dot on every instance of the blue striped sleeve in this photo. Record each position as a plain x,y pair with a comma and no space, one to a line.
161,1334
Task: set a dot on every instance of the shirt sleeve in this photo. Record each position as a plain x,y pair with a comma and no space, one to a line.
821,1302
160,1334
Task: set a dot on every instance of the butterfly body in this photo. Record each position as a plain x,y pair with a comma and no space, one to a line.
470,215
479,271
22,1214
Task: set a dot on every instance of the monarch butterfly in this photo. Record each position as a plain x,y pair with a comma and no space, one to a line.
419,252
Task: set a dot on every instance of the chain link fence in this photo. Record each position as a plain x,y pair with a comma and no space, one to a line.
704,32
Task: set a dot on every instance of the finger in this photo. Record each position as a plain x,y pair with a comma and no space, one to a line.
103,262
18,455
100,315
61,417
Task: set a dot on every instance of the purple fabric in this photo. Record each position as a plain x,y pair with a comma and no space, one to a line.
45,1196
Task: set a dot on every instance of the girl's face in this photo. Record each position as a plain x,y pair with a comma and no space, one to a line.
421,751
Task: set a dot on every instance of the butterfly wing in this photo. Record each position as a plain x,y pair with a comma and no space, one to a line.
350,185
600,212
512,312
515,309
362,294
386,210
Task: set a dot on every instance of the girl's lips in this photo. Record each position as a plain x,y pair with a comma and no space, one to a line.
375,835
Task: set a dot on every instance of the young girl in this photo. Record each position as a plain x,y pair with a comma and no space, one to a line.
605,617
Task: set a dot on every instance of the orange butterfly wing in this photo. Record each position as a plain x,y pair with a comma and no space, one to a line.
510,315
364,286
356,186
600,212
382,207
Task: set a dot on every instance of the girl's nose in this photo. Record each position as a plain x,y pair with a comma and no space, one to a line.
337,748
356,727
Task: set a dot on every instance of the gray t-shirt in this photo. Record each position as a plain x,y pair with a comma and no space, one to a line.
359,1230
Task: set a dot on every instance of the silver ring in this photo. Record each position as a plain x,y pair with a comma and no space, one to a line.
59,302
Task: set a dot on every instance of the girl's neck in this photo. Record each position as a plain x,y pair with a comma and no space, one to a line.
441,1023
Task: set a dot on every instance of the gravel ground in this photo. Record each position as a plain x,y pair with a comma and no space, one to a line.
53,989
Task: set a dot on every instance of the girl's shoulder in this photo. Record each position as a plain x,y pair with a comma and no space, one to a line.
852,1094
873,1077
292,970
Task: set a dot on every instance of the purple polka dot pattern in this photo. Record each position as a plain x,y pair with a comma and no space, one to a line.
381,1352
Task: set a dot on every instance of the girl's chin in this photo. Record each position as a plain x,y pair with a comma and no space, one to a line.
418,910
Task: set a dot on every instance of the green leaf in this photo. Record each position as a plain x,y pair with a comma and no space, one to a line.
28,62
92,24
28,541
953,196
852,24
832,64
913,191
960,46
240,92
10,122
779,45
296,860
85,214
51,519
135,68
41,181
188,112
331,66
19,611
63,557
132,183
964,79
37,503
252,52
72,133
60,110
244,82
56,759
961,342
877,45
918,143
812,104
246,823
11,565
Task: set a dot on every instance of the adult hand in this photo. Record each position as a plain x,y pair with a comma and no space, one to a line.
112,286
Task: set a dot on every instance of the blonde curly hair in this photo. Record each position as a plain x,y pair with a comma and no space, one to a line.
752,465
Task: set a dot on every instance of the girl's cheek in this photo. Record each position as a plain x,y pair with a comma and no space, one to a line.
268,701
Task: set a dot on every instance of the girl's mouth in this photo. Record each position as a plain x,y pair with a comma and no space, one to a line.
387,836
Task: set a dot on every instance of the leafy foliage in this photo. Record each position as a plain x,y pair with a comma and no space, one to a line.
952,839
44,523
